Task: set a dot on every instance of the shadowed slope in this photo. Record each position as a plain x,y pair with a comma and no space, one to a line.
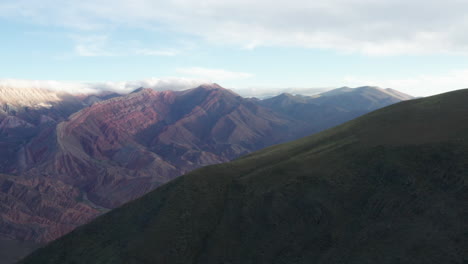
389,187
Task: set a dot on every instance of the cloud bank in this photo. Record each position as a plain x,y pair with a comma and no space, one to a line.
159,84
375,27
419,85
213,74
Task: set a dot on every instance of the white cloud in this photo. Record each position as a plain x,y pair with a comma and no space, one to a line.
92,46
421,85
376,27
102,45
213,74
151,52
159,84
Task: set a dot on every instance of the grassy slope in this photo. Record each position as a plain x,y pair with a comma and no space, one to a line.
389,187
12,251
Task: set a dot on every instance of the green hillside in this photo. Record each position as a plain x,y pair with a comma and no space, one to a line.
389,187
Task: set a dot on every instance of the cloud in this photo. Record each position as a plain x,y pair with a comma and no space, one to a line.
92,46
151,52
103,46
159,84
421,85
213,74
374,27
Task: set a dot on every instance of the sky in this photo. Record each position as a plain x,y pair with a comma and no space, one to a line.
253,47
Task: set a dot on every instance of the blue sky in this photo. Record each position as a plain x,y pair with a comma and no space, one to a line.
418,47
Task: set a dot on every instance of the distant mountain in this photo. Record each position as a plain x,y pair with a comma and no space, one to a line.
388,187
268,93
94,98
65,161
370,96
333,107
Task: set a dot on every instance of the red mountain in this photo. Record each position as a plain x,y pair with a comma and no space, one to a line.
63,170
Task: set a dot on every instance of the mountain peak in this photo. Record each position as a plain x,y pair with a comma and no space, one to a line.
210,86
139,90
286,95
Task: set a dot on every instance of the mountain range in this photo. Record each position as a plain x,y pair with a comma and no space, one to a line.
65,159
388,187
